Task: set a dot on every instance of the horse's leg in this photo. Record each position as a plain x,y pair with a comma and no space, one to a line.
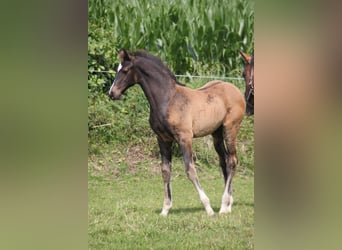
186,146
230,135
221,151
166,152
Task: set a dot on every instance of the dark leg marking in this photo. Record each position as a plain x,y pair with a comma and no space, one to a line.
166,153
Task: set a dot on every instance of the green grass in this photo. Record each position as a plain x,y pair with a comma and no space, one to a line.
124,209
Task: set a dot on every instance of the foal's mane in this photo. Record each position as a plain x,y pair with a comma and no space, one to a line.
157,61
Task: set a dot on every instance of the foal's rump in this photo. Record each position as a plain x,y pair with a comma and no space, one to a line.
229,91
228,94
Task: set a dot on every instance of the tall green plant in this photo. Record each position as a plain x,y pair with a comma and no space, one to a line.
186,34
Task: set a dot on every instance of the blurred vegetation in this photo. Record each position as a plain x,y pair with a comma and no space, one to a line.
193,37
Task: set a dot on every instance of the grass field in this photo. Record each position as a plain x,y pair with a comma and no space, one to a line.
124,209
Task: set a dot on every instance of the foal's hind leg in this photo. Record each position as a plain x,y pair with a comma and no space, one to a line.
166,152
186,146
230,136
221,151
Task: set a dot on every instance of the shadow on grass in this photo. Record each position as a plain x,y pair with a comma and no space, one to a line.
182,210
189,210
243,204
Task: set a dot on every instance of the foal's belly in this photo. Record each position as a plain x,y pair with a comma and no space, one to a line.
207,121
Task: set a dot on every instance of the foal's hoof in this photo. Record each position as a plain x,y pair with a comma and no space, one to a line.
225,210
163,214
210,212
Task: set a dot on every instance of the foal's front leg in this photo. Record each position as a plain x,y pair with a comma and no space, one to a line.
186,146
166,152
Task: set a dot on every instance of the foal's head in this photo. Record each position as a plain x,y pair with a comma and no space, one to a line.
133,66
125,75
248,75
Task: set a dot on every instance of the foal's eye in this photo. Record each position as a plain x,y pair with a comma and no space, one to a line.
124,70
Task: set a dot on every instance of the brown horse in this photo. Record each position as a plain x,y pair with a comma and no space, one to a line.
178,113
248,74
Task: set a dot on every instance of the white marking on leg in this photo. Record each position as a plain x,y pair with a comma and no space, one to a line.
192,175
166,208
203,197
224,203
225,208
205,201
230,204
167,202
227,201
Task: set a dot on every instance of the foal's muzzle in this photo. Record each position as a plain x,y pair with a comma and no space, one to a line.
111,96
114,96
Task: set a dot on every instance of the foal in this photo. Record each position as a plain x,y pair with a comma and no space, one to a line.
178,113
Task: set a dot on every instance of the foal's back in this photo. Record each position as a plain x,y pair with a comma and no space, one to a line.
200,112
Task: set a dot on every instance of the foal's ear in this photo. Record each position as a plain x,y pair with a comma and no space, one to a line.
124,55
246,57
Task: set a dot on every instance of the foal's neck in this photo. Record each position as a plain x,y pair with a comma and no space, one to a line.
158,89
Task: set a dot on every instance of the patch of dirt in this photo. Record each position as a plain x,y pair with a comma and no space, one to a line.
155,167
134,155
137,155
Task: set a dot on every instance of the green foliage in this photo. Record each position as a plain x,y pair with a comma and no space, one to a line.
125,120
193,37
186,34
101,57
